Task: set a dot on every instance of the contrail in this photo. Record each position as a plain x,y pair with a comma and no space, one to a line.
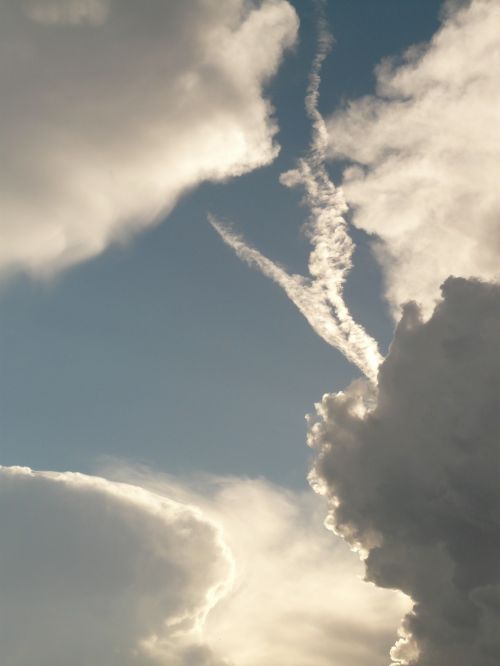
318,297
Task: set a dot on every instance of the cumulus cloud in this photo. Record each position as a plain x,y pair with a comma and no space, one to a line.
411,471
298,595
229,572
423,157
111,109
98,572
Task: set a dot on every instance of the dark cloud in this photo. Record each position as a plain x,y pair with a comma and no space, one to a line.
412,470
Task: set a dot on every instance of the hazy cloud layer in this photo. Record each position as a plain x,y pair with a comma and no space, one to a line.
93,572
412,474
425,157
110,109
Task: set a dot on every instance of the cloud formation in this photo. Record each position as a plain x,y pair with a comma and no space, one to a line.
98,572
424,156
298,596
411,470
95,571
111,110
320,297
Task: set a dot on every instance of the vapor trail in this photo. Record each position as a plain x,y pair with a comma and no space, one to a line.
318,297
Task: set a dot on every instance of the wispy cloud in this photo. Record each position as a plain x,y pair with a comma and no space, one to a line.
318,297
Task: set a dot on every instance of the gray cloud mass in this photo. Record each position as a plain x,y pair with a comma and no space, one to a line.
412,472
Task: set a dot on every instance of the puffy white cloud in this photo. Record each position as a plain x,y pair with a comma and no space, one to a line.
298,595
101,572
424,156
111,109
412,472
98,572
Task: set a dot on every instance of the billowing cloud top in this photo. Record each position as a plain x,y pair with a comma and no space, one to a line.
425,158
110,574
103,573
412,473
110,109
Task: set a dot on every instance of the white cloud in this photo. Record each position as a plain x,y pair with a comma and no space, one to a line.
112,109
298,596
425,157
412,470
94,572
100,572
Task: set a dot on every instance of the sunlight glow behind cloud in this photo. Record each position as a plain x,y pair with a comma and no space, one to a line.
230,571
424,158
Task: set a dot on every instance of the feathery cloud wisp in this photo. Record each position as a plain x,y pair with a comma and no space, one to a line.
319,297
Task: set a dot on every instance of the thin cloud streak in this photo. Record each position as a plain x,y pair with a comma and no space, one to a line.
319,297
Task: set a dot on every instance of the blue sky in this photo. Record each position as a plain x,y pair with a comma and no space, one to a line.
167,350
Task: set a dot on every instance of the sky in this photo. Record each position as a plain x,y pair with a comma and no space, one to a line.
249,311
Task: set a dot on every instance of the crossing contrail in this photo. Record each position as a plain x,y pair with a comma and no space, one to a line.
318,297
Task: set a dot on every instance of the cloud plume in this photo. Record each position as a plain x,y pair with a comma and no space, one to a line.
111,111
411,471
318,297
423,157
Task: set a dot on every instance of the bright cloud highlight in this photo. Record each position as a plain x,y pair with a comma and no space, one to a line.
228,572
104,573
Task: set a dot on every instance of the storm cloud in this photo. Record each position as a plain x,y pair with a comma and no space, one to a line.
422,157
411,471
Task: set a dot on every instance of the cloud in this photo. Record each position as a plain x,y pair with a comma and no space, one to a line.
411,470
319,297
230,572
423,157
298,597
111,110
98,572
